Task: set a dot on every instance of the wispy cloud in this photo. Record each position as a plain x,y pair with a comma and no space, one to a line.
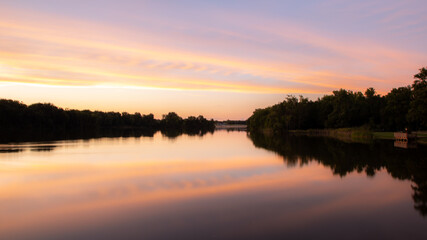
62,52
215,48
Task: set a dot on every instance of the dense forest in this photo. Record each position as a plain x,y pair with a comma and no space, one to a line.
403,107
48,118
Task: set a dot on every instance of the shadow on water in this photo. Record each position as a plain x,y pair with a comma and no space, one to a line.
8,136
344,158
174,133
10,149
11,141
43,148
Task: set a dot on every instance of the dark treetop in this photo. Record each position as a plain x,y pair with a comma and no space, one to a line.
404,107
19,122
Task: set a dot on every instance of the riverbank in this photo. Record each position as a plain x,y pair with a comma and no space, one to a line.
343,134
356,134
421,136
231,127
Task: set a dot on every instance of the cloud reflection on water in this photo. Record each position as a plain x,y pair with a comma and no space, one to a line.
155,188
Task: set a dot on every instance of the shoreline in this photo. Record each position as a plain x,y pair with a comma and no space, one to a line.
356,134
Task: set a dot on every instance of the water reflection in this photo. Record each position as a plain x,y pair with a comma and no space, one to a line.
12,141
35,147
218,186
8,149
405,144
43,148
174,133
17,136
344,158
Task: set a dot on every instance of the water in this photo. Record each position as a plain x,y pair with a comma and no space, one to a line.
224,185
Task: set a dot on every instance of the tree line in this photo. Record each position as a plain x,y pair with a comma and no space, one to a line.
403,107
46,116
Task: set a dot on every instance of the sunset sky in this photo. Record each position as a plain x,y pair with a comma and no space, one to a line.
221,59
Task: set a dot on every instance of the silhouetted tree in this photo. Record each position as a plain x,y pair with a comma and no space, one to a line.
399,109
47,119
417,114
171,121
396,109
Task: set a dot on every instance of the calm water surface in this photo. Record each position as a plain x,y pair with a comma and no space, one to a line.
224,185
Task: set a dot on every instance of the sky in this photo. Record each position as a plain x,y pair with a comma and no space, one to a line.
221,59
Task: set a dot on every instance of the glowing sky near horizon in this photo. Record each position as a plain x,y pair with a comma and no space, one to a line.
221,59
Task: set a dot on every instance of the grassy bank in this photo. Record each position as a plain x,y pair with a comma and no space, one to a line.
356,134
383,135
344,134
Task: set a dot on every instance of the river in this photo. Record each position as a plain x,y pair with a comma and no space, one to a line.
221,185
